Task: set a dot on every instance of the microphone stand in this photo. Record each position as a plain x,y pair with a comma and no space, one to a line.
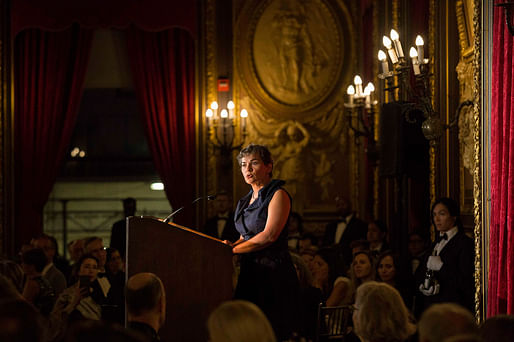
170,216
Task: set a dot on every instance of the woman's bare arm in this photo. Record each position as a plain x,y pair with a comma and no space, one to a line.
278,213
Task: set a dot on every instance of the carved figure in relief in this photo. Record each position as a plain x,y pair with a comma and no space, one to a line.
292,138
466,123
300,60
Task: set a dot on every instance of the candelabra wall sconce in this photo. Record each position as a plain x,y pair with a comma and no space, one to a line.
360,110
507,7
407,84
222,130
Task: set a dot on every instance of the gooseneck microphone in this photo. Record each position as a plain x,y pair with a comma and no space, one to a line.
170,216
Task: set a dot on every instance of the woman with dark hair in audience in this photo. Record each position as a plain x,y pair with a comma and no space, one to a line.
114,270
89,307
380,314
391,271
447,275
37,290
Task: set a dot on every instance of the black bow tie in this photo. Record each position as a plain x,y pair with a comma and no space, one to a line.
443,237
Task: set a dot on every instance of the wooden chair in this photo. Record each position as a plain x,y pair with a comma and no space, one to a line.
333,322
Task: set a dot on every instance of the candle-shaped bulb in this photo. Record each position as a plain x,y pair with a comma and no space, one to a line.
394,35
230,107
214,105
415,63
419,44
244,113
419,40
224,114
413,53
383,61
351,92
387,42
381,55
397,44
371,87
390,50
209,113
357,80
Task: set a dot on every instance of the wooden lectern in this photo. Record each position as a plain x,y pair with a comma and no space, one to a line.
196,271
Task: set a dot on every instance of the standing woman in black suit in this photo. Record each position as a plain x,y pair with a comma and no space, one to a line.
447,274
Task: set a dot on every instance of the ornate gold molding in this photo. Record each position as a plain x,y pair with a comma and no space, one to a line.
477,170
432,51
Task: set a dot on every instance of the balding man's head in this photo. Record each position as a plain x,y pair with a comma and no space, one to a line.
444,320
145,295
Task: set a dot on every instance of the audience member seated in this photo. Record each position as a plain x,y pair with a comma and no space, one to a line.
295,231
13,272
50,272
99,331
37,290
90,305
112,291
20,321
335,288
119,229
418,249
340,233
362,269
377,234
75,250
310,297
498,329
442,321
380,315
146,305
238,320
221,225
391,271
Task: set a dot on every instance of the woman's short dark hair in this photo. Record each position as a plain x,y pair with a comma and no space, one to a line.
261,150
35,257
451,205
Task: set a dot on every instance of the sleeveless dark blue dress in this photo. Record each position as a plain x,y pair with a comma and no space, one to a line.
268,277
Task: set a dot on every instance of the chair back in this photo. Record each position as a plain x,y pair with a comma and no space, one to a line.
333,322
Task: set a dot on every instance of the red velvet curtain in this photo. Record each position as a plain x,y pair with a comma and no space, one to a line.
49,72
163,66
501,246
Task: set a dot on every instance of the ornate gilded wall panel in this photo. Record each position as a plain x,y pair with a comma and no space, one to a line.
291,62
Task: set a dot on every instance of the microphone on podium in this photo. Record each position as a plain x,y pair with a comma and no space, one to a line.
170,216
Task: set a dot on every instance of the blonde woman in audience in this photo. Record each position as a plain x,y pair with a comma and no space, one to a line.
239,320
380,314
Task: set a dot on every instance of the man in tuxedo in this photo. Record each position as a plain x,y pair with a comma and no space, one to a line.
221,226
340,233
451,262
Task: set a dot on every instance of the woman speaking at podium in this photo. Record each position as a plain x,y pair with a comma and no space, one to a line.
267,276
